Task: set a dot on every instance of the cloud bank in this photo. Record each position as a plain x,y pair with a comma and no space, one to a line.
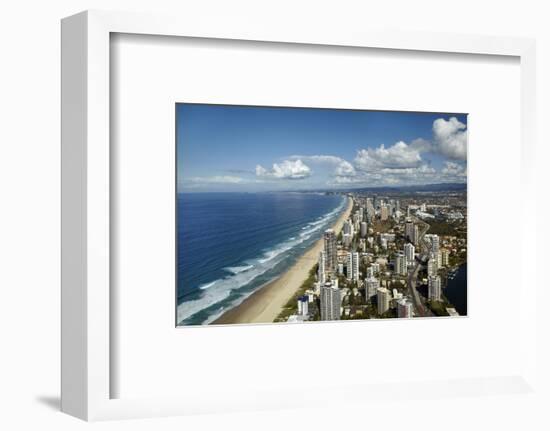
399,163
286,170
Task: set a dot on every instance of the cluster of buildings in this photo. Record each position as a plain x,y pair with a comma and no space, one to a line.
363,270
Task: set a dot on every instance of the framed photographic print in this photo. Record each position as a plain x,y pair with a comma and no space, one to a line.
229,193
302,214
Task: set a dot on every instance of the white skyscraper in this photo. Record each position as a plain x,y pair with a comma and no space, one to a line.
353,266
331,259
330,302
303,306
384,212
416,234
434,288
348,227
404,308
383,297
432,265
409,253
321,273
400,263
433,241
409,230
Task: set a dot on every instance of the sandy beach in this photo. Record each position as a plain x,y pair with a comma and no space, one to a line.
264,305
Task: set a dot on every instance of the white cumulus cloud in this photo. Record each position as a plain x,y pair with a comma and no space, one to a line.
288,169
341,166
345,169
450,138
398,155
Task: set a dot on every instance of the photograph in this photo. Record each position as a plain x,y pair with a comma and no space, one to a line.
298,214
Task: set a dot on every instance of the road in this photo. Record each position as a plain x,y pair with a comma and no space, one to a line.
420,309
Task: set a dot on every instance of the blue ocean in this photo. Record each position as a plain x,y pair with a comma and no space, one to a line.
230,244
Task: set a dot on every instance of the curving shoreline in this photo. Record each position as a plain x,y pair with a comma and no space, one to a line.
265,304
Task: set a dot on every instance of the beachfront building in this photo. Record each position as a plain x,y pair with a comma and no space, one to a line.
348,227
383,298
331,301
409,253
321,273
401,263
404,308
434,288
353,266
303,305
356,221
330,250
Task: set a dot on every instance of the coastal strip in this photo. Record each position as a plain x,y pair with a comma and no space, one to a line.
264,305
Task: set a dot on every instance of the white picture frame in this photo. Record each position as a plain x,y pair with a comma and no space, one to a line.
86,311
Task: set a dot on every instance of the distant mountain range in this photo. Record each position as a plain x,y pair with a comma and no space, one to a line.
441,187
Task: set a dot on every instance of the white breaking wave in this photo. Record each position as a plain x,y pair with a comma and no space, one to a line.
274,253
206,286
238,269
218,290
320,222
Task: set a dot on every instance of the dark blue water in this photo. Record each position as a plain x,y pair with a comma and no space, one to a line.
457,291
229,244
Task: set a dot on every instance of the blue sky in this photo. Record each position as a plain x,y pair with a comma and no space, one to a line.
240,148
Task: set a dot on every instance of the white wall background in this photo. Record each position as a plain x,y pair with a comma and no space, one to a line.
29,215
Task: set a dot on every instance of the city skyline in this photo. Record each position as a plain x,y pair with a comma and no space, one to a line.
244,148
